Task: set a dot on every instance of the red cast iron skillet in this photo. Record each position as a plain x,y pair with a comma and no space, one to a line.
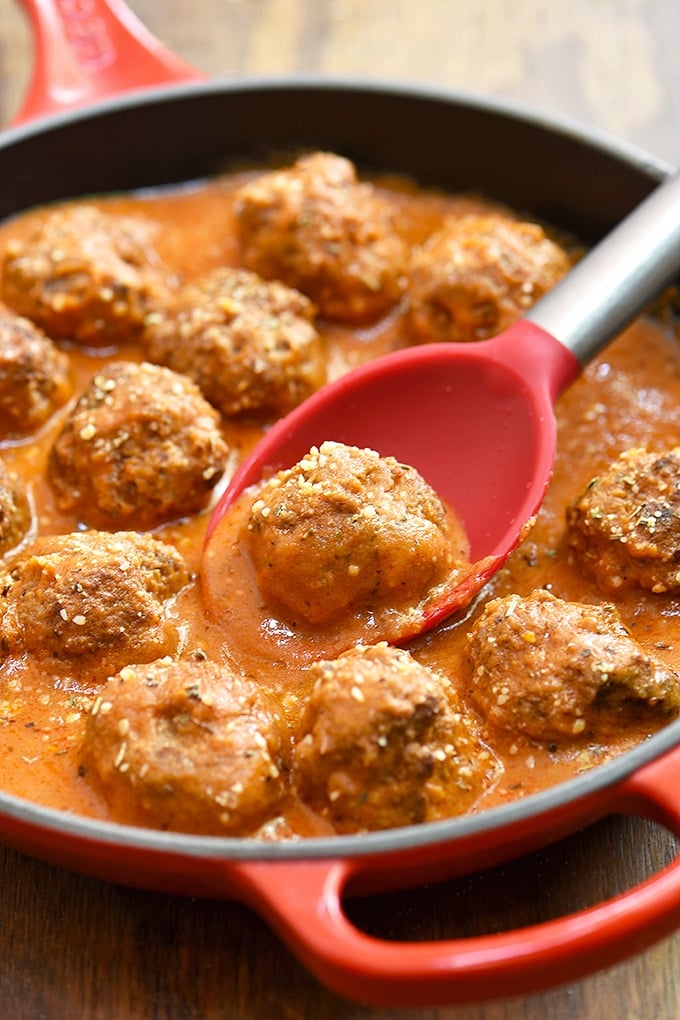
160,124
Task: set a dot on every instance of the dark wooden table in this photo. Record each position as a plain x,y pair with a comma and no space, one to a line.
71,947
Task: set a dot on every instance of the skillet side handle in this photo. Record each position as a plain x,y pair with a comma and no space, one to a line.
303,902
89,51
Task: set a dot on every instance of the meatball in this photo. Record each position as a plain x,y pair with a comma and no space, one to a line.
250,345
86,275
93,597
345,529
553,669
142,446
473,278
15,510
625,527
34,375
318,228
187,746
384,743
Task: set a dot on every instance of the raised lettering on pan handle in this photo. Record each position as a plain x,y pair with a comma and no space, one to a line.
85,50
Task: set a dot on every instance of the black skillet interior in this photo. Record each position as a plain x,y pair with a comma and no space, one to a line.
560,173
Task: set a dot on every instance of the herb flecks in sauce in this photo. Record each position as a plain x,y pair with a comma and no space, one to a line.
43,711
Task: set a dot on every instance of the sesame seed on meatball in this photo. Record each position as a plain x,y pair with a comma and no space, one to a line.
625,527
477,275
345,528
34,375
95,598
188,746
553,669
141,447
249,344
84,274
318,228
383,742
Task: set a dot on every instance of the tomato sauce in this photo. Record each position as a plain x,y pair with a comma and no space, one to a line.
630,396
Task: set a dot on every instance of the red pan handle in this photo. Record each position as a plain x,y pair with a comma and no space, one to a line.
303,901
87,50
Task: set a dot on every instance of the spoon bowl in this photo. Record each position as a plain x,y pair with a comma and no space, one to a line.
477,420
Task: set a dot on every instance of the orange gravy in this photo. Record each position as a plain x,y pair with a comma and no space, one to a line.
630,396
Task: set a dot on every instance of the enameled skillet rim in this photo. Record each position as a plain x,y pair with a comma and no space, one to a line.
510,108
599,778
648,166
430,834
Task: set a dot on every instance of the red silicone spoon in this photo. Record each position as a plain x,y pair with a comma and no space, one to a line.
477,419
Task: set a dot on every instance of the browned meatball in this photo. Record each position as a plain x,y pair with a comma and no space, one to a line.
344,529
92,597
383,742
142,446
250,345
318,228
473,278
15,510
85,274
34,375
187,746
625,527
553,669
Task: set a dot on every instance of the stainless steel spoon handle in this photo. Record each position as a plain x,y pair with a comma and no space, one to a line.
617,278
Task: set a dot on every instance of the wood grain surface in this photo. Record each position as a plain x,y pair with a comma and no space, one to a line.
71,947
